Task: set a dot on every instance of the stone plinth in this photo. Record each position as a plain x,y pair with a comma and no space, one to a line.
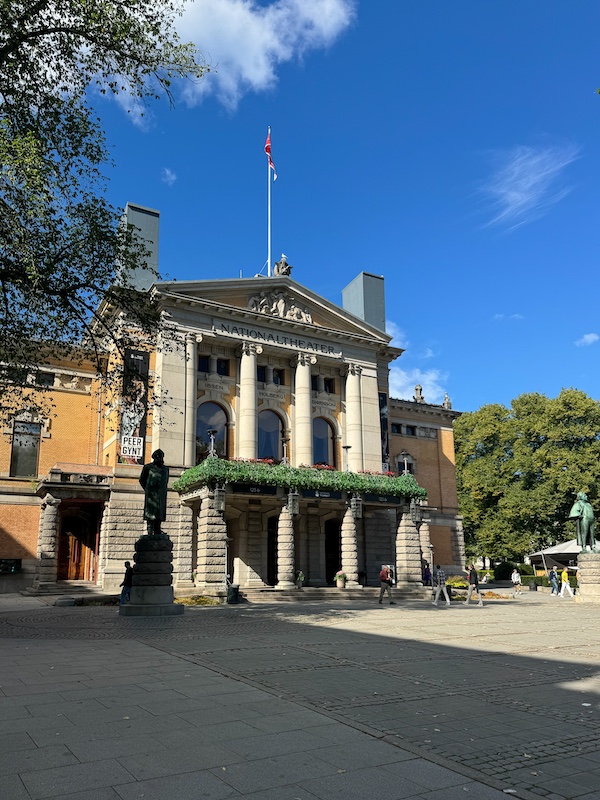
589,578
152,590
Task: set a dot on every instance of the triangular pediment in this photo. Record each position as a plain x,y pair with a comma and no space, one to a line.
273,300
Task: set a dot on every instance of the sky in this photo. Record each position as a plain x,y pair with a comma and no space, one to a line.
451,147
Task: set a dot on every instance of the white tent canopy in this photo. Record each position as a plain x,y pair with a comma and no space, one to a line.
558,554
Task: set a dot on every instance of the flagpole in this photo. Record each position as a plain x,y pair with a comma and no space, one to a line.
269,210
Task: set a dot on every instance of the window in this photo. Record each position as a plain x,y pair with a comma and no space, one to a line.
223,367
323,442
279,377
270,434
25,449
396,427
44,379
210,417
261,374
203,363
411,430
329,385
314,383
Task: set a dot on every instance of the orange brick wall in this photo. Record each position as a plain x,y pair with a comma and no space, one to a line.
441,541
19,530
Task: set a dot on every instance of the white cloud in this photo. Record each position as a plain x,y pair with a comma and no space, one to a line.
587,339
398,336
168,176
523,185
403,382
501,317
246,41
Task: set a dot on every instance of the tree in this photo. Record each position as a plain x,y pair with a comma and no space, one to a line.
63,247
519,469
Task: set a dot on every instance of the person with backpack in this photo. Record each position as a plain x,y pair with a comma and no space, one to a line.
385,576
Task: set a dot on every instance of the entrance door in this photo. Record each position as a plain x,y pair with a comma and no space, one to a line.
77,547
271,551
333,549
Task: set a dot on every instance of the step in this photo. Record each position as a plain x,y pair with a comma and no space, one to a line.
308,593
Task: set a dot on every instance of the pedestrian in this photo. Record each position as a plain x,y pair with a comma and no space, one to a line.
385,576
426,575
127,584
553,578
440,585
516,581
473,585
564,583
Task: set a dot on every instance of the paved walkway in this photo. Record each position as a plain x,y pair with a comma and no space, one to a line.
300,701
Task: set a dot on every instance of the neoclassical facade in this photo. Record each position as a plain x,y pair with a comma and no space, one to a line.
250,369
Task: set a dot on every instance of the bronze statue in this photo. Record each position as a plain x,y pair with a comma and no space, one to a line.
154,480
584,514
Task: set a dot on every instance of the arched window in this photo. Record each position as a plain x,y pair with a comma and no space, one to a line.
25,447
210,417
270,434
323,442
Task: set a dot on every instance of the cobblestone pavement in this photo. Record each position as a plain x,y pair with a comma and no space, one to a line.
302,700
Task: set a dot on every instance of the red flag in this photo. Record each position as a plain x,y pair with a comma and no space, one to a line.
268,152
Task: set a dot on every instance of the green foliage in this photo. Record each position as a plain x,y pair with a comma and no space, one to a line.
62,246
503,571
196,600
214,471
519,469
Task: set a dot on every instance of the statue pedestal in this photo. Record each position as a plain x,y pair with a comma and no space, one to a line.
152,590
589,578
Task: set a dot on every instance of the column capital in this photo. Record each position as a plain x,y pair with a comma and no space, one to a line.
303,360
353,369
250,349
49,500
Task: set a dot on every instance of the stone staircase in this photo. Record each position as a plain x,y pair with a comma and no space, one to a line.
368,594
67,588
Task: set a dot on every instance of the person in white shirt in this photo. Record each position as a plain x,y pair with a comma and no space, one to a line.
516,581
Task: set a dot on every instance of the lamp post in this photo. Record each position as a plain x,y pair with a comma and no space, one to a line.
404,455
346,448
211,450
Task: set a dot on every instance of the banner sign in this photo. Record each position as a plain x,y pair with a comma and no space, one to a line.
134,408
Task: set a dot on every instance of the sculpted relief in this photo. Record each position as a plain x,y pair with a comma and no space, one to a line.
279,304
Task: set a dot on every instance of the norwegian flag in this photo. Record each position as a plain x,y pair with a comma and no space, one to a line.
268,152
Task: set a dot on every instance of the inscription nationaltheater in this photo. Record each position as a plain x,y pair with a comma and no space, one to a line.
276,338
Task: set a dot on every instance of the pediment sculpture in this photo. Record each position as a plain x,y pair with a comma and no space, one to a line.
279,304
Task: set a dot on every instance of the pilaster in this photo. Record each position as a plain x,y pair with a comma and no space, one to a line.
354,437
247,430
302,450
47,551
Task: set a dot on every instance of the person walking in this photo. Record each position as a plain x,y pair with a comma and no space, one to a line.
440,585
127,584
473,585
385,576
553,578
516,582
564,583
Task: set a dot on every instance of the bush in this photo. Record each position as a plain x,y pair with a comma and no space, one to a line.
503,571
526,569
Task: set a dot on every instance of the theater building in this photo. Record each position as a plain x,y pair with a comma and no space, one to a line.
252,369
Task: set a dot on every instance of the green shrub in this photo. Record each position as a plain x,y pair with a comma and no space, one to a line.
503,571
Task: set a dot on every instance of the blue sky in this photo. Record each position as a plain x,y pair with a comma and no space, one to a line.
451,147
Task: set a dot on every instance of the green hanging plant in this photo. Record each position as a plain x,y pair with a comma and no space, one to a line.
214,471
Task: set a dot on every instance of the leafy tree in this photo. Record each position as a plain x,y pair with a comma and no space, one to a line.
519,469
63,248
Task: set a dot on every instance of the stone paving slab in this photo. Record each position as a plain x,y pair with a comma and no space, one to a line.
309,700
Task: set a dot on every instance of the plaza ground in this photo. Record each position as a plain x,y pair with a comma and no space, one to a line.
301,701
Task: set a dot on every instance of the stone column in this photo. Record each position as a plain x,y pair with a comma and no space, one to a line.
458,543
286,571
425,537
247,429
182,550
349,549
408,551
212,545
191,394
354,418
212,365
47,550
302,449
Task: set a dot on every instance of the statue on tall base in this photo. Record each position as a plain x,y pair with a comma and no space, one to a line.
152,586
583,513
